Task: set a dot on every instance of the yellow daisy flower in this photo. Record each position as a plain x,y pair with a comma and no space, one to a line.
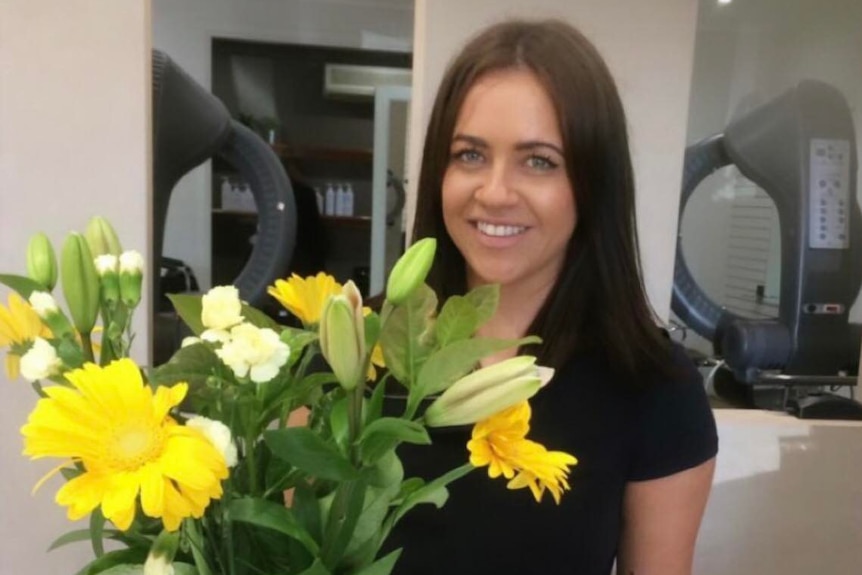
500,443
121,431
19,326
305,297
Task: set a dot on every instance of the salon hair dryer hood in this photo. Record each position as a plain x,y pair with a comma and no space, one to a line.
782,147
190,125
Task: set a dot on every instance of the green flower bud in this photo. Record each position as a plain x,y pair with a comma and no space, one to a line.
131,277
80,282
485,392
41,261
410,270
101,237
342,336
107,266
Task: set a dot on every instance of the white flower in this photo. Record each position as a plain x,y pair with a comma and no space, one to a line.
158,564
218,434
40,361
131,262
216,336
221,308
256,352
106,263
43,303
190,340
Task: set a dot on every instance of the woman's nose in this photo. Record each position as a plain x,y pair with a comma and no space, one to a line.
496,188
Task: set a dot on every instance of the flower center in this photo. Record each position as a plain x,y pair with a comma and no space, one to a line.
133,444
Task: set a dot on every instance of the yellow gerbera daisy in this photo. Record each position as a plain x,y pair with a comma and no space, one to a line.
500,443
19,326
121,432
305,297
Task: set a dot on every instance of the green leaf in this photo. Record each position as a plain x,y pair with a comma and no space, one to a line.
97,527
317,568
343,515
193,364
382,566
21,284
298,340
456,360
304,449
458,320
485,299
189,307
372,329
124,569
114,558
259,319
408,333
370,521
382,435
408,486
434,492
76,536
306,508
271,515
386,471
339,421
374,406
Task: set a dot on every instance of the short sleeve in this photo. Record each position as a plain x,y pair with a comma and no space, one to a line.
673,424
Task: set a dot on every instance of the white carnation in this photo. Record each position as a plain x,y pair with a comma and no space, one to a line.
106,263
43,303
216,336
40,361
132,262
218,434
256,352
221,308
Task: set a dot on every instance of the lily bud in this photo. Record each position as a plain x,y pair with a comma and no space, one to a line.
485,392
410,270
342,336
41,261
131,277
80,282
109,278
101,237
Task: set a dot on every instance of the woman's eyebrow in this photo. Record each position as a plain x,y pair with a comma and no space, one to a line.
472,140
532,144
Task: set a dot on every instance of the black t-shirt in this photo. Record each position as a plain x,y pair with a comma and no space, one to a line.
618,431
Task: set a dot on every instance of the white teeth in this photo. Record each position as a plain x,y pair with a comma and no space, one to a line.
499,231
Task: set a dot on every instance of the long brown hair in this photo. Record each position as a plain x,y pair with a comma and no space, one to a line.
598,303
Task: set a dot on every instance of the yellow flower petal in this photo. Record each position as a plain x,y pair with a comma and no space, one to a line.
500,443
305,297
130,448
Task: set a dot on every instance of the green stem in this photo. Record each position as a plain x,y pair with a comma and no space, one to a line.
87,344
354,419
227,535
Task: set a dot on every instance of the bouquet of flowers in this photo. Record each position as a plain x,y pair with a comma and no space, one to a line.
191,467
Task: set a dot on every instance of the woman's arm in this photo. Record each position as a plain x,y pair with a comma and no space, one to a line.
661,518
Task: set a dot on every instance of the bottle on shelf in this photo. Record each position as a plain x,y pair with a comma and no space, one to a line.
339,200
348,199
329,202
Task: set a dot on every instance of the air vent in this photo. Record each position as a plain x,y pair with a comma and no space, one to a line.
343,80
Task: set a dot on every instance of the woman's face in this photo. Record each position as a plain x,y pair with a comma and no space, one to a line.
507,200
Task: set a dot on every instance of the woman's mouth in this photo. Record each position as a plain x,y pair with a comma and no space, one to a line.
499,230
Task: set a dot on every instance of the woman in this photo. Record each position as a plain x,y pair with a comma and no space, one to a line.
527,182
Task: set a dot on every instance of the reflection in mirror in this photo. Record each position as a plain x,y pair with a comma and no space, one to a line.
731,240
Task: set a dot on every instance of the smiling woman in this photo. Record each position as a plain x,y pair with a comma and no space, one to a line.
527,182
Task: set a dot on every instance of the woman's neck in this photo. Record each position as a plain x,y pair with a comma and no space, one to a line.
519,304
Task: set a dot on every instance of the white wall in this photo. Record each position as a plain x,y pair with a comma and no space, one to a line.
184,30
74,142
649,48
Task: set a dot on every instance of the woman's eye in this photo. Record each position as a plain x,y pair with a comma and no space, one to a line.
541,163
468,156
